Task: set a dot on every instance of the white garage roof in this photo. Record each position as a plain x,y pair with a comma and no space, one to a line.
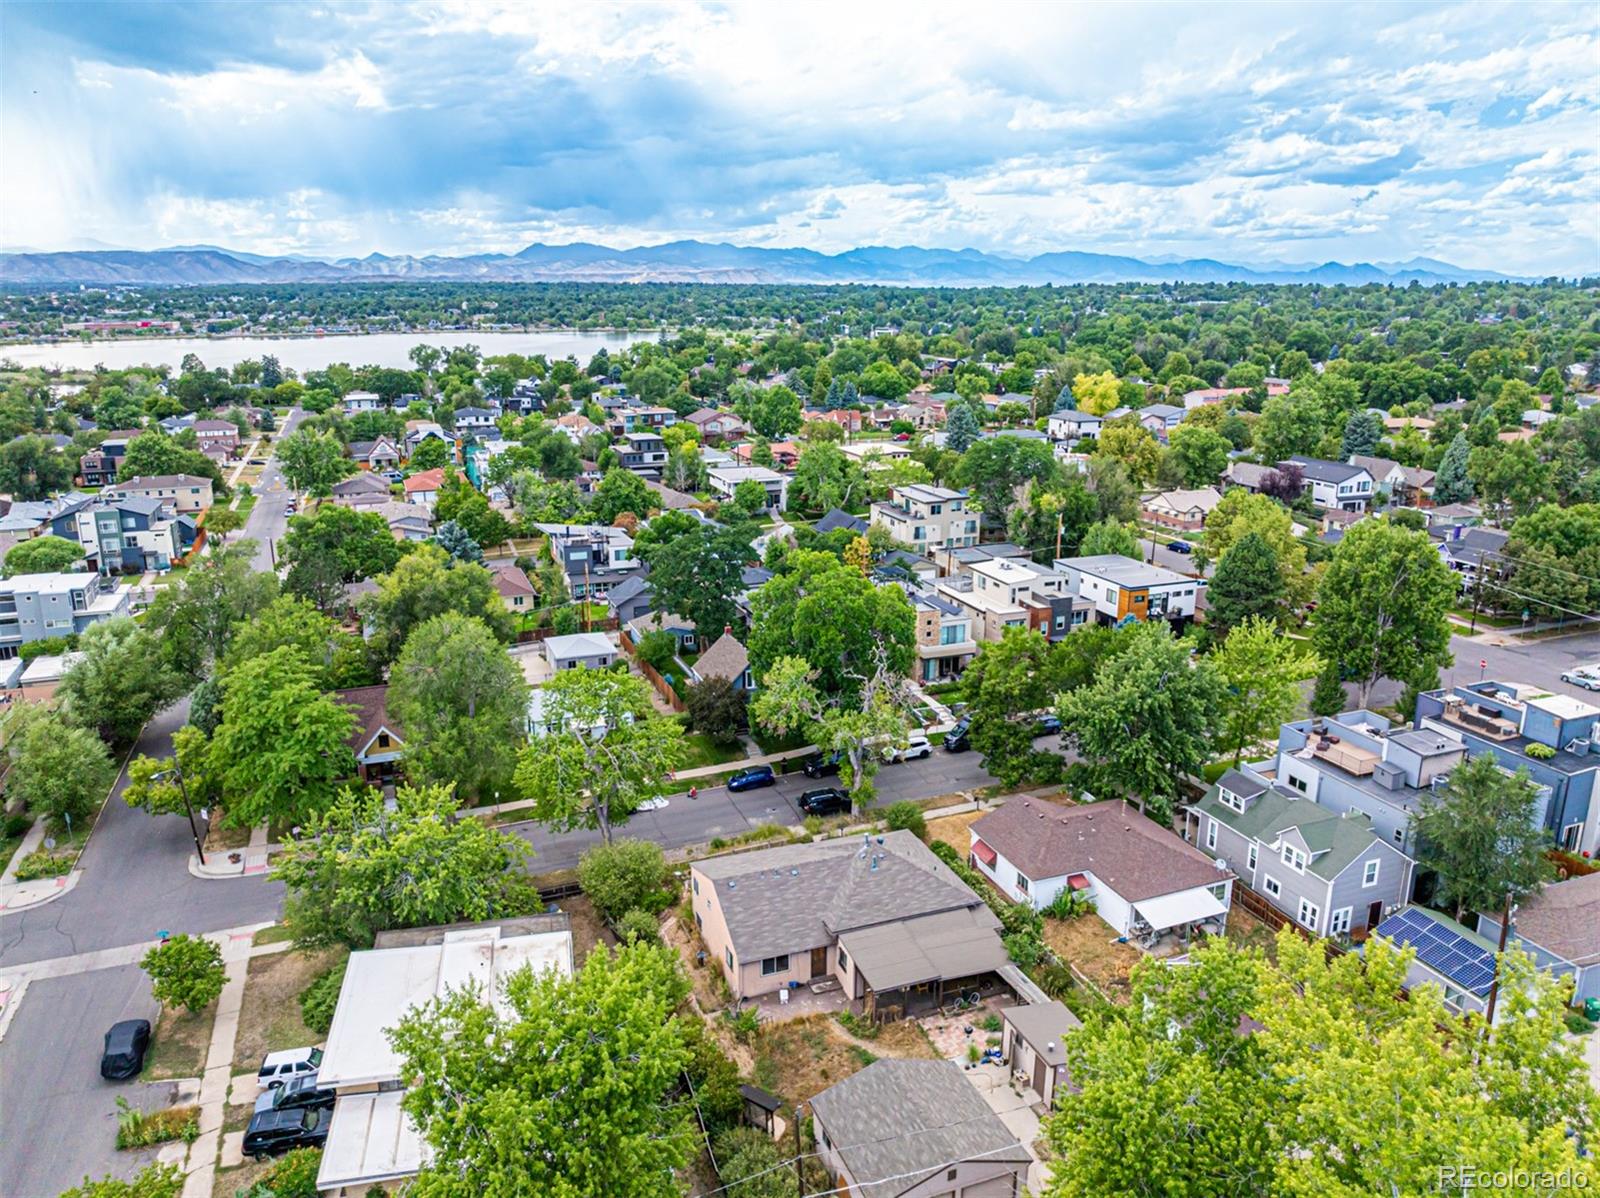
1186,906
371,1140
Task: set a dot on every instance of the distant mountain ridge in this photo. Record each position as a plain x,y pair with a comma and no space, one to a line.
696,262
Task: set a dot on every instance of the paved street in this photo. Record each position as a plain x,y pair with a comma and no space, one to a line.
1539,662
267,520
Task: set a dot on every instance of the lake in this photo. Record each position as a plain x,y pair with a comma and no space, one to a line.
309,353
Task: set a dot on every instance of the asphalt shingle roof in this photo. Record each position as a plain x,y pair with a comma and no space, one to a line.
1334,840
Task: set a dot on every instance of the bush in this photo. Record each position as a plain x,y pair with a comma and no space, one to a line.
752,1159
863,1029
153,1181
991,1022
41,863
906,816
565,621
1055,979
713,1075
16,824
1024,946
744,1023
1577,1023
718,709
185,971
1070,904
318,1000
293,1176
1540,752
638,926
658,648
623,875
135,1129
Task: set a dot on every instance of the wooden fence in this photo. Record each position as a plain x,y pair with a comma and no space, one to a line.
528,636
1258,906
663,687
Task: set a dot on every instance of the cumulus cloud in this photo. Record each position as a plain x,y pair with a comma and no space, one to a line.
479,125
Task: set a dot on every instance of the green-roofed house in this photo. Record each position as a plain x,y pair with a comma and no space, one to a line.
1329,872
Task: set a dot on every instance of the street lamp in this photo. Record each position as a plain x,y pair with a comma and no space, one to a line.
177,773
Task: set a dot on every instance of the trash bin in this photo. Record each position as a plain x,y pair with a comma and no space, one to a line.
1591,1009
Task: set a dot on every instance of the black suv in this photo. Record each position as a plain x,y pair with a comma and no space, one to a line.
957,739
820,765
296,1094
277,1131
123,1055
829,800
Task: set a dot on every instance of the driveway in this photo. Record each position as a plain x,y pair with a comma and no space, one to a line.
1015,1108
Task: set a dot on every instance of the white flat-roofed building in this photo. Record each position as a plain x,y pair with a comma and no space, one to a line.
1124,588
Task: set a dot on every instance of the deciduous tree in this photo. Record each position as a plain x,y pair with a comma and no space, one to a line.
58,771
120,681
42,555
1481,831
333,546
185,971
1263,672
426,583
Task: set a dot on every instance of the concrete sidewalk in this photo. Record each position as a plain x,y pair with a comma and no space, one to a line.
19,896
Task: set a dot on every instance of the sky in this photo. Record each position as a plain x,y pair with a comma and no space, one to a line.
1257,133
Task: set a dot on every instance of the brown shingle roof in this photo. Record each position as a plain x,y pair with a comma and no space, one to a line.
1122,848
1563,918
509,580
726,658
371,705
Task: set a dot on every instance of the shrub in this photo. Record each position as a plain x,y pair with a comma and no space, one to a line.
185,971
1070,904
318,1000
638,926
718,709
752,1159
1055,978
861,1028
16,824
990,1022
906,816
41,863
153,1181
744,1023
1577,1024
565,621
1024,947
136,1129
713,1075
623,875
658,648
293,1176
1540,752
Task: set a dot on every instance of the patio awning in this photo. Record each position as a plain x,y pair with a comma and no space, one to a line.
983,852
909,952
1078,882
1186,906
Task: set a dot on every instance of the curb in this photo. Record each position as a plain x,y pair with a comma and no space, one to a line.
44,890
227,872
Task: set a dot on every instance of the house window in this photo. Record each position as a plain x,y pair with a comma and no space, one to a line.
1270,884
729,953
1298,783
1308,915
1399,835
1250,859
1294,859
1339,922
1022,884
1229,799
1211,834
694,884
1219,892
844,958
778,964
1369,875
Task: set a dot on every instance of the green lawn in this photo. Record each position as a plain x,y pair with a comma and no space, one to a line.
700,750
246,502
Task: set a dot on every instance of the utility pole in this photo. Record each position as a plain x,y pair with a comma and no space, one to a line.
1059,522
194,829
586,594
1494,986
799,1166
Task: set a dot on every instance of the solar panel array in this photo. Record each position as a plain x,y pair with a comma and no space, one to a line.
1445,952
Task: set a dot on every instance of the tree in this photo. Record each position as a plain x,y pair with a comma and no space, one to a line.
153,1181
119,682
961,428
42,555
837,620
458,543
1130,444
271,372
773,412
1289,424
461,703
624,876
281,748
603,753
362,867
431,453
422,585
567,1093
620,491
1147,719
1201,454
32,468
1248,583
824,478
185,971
1285,484
1328,697
337,656
153,453
1241,513
1452,483
312,462
718,709
1481,830
1109,536
332,547
223,522
146,791
1097,394
464,504
197,620
750,498
58,772
1262,671
1006,683
699,574
1362,432
997,467
1381,606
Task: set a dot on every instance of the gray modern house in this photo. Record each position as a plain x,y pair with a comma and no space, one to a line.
39,607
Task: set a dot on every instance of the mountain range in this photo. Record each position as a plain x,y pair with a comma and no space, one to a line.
695,262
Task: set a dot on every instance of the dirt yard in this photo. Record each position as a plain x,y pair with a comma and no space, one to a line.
588,929
711,992
1246,931
952,829
269,1019
798,1058
178,1048
1089,943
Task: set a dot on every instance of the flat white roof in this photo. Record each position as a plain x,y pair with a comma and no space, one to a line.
739,474
579,644
49,668
381,985
1563,707
371,1140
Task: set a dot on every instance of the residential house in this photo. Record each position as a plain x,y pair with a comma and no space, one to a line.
1186,510
376,739
217,438
1161,418
424,486
643,453
724,481
882,916
381,454
1329,871
726,658
643,419
631,598
871,454
1448,955
1146,883
959,561
1249,475
1398,424
929,519
1033,1042
837,519
1121,589
849,419
476,422
372,1142
1527,727
1476,553
1560,929
715,425
1007,592
580,650
595,557
356,402
188,492
576,426
361,490
513,587
945,643
410,521
418,431
121,535
98,467
42,607
1336,484
916,1129
1072,427
678,627
785,455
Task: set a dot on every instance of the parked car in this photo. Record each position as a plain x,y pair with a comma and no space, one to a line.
653,803
280,1067
902,436
122,1056
819,765
258,461
958,739
1587,677
1046,725
393,476
829,800
274,1132
1181,547
750,779
297,1094
917,746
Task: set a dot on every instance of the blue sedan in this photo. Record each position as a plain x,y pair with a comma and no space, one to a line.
755,776
1181,547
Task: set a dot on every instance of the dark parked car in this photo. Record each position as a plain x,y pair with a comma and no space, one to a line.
277,1131
123,1056
829,800
1181,547
1046,725
756,775
957,740
819,765
296,1094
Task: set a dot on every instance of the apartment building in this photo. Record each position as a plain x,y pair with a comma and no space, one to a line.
930,519
40,607
1121,589
186,492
